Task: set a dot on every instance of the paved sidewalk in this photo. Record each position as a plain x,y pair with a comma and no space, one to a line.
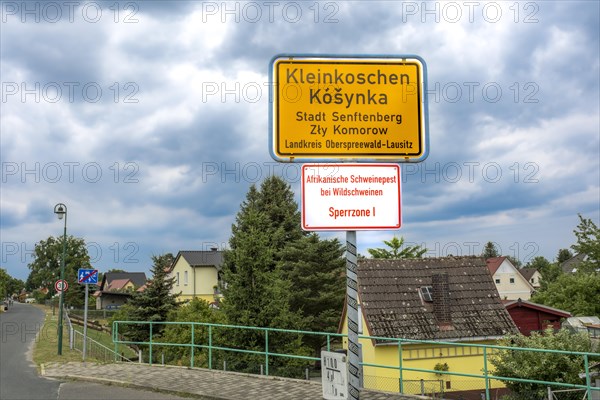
199,383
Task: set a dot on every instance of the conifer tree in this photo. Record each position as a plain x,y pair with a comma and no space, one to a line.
490,251
315,270
267,222
153,303
255,292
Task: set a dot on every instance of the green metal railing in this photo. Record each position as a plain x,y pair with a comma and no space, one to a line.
486,375
209,340
330,337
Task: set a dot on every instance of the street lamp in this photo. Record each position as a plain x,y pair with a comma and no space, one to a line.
61,211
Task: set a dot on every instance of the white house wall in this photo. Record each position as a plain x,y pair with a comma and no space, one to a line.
519,288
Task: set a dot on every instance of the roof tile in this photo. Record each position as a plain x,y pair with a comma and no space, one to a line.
392,306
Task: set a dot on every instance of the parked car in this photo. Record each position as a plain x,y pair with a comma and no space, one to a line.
29,300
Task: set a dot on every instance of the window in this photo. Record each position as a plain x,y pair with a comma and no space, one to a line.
532,280
177,279
498,280
426,293
185,277
512,280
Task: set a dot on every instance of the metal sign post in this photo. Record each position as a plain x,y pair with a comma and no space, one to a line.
352,314
85,314
349,108
86,277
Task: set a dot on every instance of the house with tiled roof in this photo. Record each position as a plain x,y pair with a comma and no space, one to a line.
510,283
197,274
450,299
532,275
116,288
119,284
571,265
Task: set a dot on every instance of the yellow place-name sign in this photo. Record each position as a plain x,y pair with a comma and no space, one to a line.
350,108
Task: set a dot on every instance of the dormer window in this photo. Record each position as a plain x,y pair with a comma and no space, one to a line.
426,293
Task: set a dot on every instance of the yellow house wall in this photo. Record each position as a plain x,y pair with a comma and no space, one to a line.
178,272
460,359
200,282
206,279
208,298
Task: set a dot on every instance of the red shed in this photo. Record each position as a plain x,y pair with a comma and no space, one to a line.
530,316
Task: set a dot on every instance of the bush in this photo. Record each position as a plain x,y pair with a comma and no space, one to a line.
547,366
196,310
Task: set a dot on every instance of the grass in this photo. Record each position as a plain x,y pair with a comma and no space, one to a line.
105,339
46,344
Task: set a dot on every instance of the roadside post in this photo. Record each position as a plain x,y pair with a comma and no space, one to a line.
86,277
332,112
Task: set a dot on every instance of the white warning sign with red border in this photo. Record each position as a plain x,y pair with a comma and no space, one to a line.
351,197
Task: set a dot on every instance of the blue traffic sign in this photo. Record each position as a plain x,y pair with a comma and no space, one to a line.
87,276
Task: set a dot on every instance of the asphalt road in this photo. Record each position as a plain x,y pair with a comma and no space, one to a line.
18,376
20,326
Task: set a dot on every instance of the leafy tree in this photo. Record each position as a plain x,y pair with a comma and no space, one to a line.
255,292
588,243
4,279
540,263
46,264
563,255
197,310
549,271
152,304
490,250
315,270
550,275
39,296
550,367
15,286
578,294
9,285
396,251
515,261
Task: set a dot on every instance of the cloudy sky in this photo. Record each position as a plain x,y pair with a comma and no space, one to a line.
149,120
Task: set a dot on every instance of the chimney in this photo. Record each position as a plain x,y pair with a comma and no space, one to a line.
441,299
